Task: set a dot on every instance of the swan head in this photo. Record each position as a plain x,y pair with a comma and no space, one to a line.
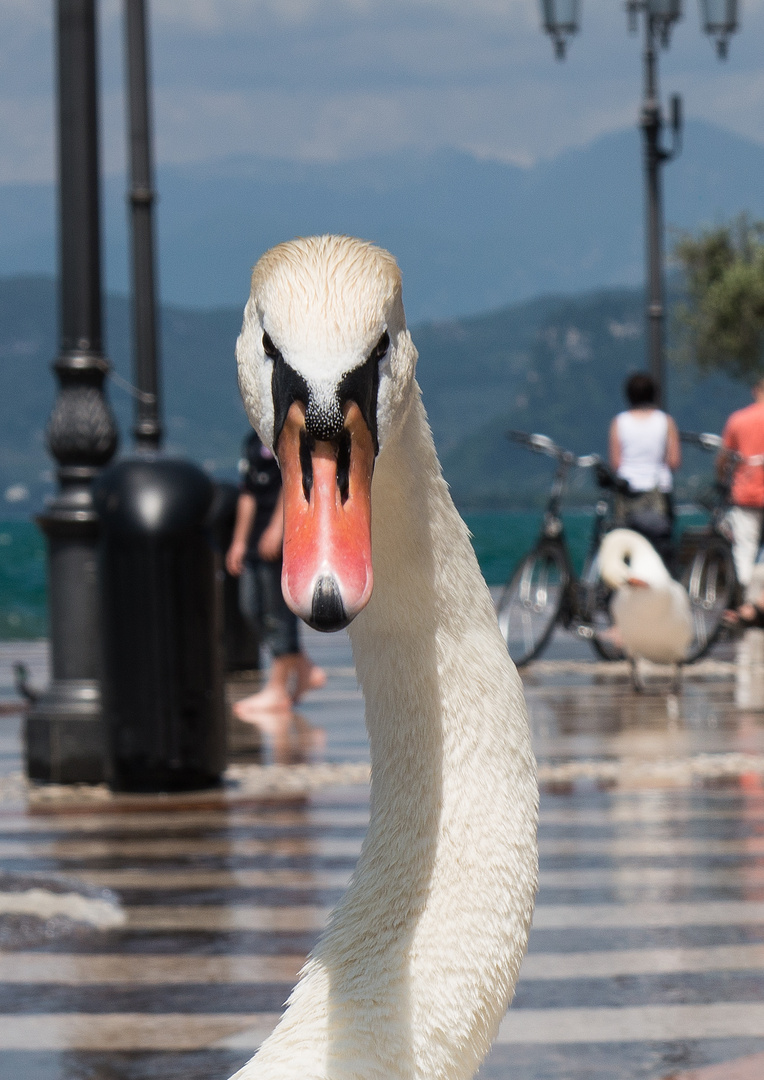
326,371
628,558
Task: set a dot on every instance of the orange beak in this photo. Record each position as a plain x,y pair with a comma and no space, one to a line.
637,583
326,576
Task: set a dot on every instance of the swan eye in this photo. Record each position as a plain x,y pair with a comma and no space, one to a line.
269,348
380,349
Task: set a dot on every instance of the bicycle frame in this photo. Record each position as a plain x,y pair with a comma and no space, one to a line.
581,598
706,553
552,528
552,522
717,524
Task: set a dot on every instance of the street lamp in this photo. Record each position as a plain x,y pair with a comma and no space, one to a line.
561,19
661,13
719,20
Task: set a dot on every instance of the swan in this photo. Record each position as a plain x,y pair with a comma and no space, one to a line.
650,609
420,958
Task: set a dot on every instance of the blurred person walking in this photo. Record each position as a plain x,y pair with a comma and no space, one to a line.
744,434
254,556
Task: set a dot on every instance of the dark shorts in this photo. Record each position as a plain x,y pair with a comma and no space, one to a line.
626,507
262,604
650,513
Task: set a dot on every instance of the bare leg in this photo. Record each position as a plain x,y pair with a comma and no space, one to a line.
308,739
270,707
309,676
637,682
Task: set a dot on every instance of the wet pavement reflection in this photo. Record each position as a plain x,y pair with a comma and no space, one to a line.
647,954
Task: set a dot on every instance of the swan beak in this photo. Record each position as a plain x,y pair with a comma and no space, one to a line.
637,583
326,577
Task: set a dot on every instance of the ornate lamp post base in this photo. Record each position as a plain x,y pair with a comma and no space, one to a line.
64,734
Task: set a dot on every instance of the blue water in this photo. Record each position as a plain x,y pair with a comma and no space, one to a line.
23,600
500,540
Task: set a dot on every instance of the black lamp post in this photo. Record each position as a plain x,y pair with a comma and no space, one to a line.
719,19
659,17
147,431
64,736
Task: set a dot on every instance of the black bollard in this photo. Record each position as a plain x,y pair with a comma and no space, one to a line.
162,669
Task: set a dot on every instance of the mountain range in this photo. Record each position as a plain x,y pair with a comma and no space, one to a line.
554,364
470,235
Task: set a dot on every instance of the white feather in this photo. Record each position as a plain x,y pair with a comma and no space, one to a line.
421,957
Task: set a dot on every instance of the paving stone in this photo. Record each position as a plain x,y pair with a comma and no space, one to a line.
646,961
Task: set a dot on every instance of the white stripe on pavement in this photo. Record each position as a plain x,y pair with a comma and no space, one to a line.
32,847
611,964
642,1023
646,1023
546,917
175,1031
604,916
83,969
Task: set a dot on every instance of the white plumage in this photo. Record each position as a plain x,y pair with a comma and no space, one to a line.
650,609
419,962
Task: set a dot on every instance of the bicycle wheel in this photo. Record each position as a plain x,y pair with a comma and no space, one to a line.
594,612
531,601
709,578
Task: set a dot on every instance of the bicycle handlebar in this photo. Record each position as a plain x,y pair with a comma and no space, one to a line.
707,441
704,439
542,444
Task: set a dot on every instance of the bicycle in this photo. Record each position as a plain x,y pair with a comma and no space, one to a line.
705,561
544,590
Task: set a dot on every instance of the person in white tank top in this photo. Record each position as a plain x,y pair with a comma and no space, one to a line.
645,451
644,441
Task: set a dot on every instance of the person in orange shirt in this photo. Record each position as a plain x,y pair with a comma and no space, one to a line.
744,434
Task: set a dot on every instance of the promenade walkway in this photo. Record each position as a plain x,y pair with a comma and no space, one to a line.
647,954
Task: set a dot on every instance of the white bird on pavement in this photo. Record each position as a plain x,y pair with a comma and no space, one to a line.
650,609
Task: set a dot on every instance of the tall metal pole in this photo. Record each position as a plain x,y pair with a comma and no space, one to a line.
64,736
654,158
560,20
147,431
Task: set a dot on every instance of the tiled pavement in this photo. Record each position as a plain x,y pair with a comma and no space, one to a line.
646,958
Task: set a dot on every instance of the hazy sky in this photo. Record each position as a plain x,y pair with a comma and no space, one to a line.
330,79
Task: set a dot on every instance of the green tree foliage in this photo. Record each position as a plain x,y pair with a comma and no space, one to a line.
723,318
